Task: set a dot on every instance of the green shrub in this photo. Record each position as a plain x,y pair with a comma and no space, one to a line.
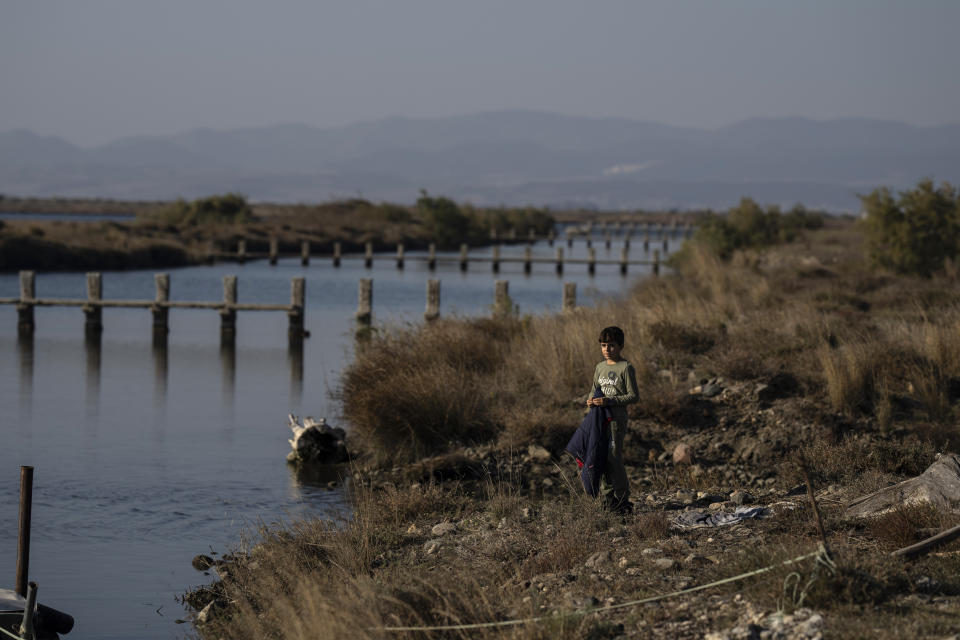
916,233
749,226
228,208
443,219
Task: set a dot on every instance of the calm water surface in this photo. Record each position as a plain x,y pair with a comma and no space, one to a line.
144,458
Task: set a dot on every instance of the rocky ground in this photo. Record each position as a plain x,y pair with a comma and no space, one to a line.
735,448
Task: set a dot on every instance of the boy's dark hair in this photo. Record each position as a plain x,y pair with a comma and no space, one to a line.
612,334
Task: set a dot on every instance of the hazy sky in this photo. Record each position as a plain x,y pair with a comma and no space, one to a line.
92,70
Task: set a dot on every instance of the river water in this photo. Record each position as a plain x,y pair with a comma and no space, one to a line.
146,457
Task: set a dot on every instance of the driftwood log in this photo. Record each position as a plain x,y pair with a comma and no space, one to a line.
315,442
938,486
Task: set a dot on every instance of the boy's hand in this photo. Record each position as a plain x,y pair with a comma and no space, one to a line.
597,402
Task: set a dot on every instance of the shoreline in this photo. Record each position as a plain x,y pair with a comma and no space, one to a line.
740,361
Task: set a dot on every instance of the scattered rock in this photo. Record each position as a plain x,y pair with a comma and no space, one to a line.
430,547
682,454
413,530
443,528
538,453
710,390
741,498
204,616
651,551
663,563
597,559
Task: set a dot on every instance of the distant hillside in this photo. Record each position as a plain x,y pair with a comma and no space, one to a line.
511,157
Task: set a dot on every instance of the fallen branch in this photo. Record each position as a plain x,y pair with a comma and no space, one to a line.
924,546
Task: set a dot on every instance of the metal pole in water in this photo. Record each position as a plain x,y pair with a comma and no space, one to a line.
23,533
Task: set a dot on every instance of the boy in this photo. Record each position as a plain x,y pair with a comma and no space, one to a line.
617,380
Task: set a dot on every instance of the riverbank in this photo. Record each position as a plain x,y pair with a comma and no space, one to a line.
170,234
467,510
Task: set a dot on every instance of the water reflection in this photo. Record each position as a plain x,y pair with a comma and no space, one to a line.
92,350
25,354
295,358
228,365
161,370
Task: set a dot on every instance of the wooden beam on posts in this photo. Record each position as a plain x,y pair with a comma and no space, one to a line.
241,251
656,262
501,298
228,312
161,313
28,292
274,250
527,260
368,255
559,261
433,300
623,261
400,255
336,254
305,253
496,258
463,257
298,297
569,296
591,261
365,301
93,313
23,531
432,256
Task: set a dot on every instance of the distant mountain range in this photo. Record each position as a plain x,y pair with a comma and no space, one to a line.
507,157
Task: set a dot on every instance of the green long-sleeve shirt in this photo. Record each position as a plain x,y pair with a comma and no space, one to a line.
619,384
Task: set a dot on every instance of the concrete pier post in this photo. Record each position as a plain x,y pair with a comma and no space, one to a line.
28,292
559,261
623,261
336,254
496,258
93,313
569,236
501,298
161,314
591,261
241,251
569,296
656,262
432,256
368,255
305,253
365,301
433,300
646,237
626,239
531,236
463,257
400,255
606,239
274,250
228,312
298,303
551,237
527,260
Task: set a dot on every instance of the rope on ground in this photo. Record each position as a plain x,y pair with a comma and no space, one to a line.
821,554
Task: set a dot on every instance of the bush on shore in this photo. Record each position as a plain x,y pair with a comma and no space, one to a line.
916,233
230,208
